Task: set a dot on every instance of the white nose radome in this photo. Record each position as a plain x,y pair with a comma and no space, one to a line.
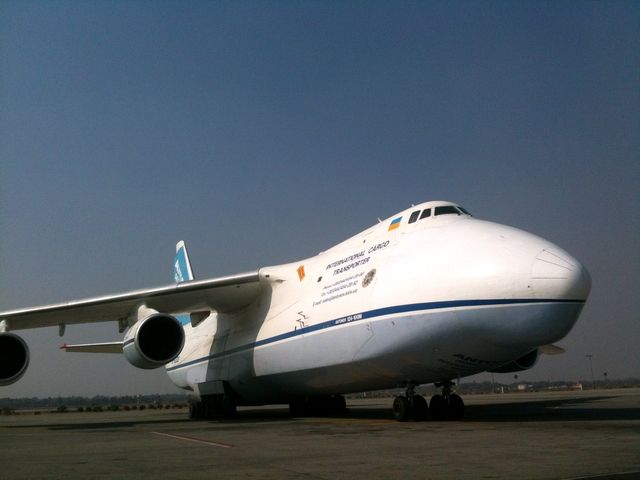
557,275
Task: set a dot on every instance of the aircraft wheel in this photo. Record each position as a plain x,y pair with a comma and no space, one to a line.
298,408
420,408
337,404
227,407
208,411
195,410
221,407
216,407
456,407
401,409
439,408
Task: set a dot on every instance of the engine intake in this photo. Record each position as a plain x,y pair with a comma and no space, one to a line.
14,358
154,341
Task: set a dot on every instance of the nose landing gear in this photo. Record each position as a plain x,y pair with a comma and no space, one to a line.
448,406
410,406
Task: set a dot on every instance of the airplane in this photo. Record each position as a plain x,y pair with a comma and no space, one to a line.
429,295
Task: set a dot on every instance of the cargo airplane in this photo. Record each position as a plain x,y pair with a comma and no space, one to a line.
429,295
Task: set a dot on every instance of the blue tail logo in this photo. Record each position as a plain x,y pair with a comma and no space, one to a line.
182,266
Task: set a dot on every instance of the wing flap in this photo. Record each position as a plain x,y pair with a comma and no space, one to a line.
221,294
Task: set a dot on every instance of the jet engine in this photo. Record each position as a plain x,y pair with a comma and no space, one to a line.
153,341
523,363
14,358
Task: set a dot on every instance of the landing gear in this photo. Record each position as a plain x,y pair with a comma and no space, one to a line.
420,408
401,409
456,407
196,411
213,407
410,406
448,406
319,405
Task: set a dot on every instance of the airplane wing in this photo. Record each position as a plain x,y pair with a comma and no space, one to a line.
221,294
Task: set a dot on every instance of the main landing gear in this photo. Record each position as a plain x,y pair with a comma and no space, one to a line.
213,407
448,406
410,406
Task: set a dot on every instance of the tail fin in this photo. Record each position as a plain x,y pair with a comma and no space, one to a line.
182,266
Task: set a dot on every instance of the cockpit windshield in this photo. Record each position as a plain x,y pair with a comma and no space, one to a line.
446,209
441,210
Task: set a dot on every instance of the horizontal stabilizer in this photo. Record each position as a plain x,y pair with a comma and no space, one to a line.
551,349
108,347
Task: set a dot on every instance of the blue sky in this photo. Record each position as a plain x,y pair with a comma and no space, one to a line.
264,132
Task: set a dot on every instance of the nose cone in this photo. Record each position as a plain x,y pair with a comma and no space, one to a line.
557,275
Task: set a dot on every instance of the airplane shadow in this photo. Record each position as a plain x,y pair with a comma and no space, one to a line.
554,410
557,410
98,425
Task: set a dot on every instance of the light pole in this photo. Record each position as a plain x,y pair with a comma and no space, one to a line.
593,380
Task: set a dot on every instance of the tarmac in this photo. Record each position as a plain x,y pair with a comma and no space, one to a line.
555,435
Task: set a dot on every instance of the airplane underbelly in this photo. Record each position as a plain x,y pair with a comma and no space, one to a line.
314,349
420,347
389,347
424,347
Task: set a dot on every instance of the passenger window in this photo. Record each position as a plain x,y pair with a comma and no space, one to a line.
425,213
446,210
414,216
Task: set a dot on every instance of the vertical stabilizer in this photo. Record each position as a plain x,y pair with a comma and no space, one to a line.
182,265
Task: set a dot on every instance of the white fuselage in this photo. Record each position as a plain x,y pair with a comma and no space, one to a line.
439,298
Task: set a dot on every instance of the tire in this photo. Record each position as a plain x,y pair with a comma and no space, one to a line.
456,407
298,408
439,408
338,404
401,409
420,408
195,410
208,411
228,407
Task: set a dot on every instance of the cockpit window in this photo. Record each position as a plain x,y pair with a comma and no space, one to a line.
444,210
425,213
414,216
463,211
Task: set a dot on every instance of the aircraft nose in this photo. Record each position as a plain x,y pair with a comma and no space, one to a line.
557,275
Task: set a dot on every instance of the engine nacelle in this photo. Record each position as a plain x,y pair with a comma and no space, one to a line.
154,341
14,358
523,363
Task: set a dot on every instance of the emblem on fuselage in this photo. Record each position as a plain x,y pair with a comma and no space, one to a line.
368,278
